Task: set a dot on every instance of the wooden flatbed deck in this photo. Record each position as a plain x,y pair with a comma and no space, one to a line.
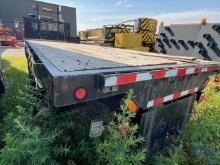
68,57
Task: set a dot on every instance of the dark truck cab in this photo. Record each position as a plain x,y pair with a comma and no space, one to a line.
165,87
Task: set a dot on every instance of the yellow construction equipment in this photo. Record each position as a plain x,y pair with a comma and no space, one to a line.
135,34
128,40
110,31
145,26
83,35
91,33
92,36
96,33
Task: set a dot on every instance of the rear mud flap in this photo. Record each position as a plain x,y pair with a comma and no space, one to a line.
160,124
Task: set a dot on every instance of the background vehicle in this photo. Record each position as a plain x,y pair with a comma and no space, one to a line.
7,38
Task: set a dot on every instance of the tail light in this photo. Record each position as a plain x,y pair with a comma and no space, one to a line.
80,93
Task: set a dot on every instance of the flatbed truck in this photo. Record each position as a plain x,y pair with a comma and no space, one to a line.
165,87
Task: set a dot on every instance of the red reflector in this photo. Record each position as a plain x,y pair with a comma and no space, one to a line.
158,101
197,70
159,74
191,91
80,93
177,95
210,68
181,71
126,79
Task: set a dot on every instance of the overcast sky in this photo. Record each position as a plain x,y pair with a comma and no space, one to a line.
96,13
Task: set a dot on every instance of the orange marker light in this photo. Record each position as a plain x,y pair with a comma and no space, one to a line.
132,106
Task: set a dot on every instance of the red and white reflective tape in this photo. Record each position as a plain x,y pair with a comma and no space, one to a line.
129,78
171,97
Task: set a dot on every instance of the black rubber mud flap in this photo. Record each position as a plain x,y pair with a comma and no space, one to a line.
161,124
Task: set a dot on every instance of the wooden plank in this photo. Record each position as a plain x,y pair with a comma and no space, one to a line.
77,57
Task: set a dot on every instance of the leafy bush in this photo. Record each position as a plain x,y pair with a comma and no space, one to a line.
120,146
25,142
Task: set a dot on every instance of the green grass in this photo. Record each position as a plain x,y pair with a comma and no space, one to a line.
22,140
200,139
15,72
